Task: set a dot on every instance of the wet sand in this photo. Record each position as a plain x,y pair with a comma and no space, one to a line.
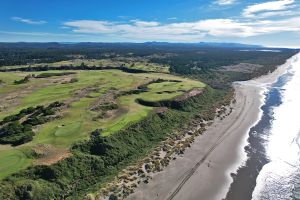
203,172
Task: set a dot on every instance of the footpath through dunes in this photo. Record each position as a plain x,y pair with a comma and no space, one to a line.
202,170
92,100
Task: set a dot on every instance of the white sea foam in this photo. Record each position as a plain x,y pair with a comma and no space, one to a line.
276,179
263,85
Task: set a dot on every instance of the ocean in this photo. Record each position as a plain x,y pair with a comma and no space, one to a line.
272,168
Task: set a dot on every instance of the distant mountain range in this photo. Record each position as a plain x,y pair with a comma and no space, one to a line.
100,44
206,44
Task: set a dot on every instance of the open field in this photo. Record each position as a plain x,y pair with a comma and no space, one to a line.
94,101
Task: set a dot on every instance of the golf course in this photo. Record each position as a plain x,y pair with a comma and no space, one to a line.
98,99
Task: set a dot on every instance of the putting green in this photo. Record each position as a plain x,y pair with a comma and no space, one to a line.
67,130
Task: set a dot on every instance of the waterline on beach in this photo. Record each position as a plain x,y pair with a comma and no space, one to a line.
244,180
278,178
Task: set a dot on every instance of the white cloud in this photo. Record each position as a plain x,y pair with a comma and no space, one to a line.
91,26
276,14
28,21
225,2
279,5
185,31
144,23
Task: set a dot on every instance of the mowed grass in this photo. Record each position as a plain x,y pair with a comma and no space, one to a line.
77,119
12,160
168,90
8,79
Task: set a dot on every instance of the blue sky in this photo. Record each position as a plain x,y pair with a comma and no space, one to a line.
266,22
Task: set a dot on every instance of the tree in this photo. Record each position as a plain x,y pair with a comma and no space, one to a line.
82,65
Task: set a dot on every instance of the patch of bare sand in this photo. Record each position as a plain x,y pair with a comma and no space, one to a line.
189,94
48,154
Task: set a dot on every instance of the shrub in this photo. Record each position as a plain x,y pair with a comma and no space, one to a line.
22,81
74,80
50,74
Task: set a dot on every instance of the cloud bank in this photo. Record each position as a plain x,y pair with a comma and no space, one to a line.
260,19
261,8
254,20
185,31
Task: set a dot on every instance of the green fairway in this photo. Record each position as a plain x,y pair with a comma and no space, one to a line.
77,119
12,160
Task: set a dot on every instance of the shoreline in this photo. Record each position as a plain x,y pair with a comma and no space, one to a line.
204,169
246,179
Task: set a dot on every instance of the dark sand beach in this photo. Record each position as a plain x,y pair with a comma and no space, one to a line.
204,171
